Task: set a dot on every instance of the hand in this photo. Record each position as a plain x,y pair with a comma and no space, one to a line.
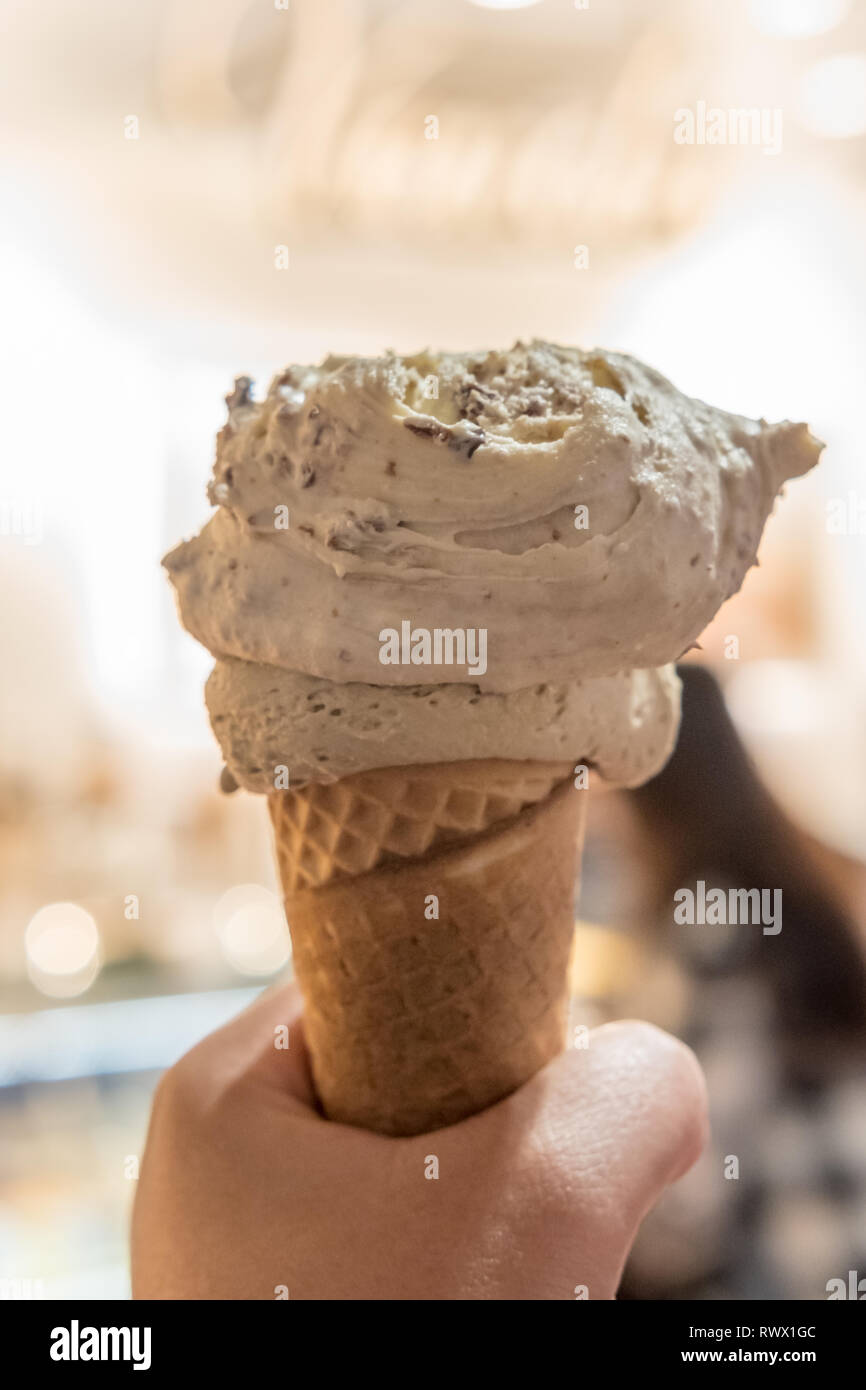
245,1191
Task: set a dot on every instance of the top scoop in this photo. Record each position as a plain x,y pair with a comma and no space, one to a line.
573,505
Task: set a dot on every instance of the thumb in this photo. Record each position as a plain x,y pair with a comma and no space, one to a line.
631,1110
617,1121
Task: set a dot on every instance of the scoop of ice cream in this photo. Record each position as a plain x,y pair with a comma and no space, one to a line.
573,506
403,548
265,718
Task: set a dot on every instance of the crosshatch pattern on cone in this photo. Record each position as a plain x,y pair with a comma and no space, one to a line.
413,1024
344,828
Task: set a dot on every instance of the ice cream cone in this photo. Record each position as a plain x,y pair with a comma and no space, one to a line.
431,912
431,907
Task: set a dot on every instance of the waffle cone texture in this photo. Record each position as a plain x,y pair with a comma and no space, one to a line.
432,912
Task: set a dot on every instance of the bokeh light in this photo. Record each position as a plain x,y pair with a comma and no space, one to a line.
251,930
504,4
796,19
833,96
63,950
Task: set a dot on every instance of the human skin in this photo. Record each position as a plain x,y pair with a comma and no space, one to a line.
246,1192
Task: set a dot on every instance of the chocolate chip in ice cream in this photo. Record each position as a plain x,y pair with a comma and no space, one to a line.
241,393
292,401
427,427
466,437
351,530
473,399
228,782
463,437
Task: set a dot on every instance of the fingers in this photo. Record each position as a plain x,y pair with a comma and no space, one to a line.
563,1171
602,1130
629,1113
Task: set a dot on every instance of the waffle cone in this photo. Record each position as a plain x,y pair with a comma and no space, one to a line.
431,913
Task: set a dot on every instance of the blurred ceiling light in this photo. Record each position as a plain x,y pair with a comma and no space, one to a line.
252,931
62,947
346,136
796,19
234,898
833,96
504,4
776,698
803,727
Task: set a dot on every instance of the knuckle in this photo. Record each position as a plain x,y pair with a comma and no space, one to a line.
182,1090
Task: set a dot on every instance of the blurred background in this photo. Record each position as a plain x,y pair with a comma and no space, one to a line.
196,188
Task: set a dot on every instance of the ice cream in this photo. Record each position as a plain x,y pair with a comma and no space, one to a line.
433,586
573,506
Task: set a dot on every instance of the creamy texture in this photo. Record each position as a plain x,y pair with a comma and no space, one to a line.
573,504
624,726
